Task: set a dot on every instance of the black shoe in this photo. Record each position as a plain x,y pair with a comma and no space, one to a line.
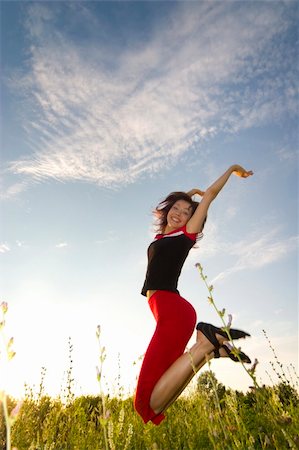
210,333
231,353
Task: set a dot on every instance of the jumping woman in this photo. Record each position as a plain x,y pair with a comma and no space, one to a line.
166,369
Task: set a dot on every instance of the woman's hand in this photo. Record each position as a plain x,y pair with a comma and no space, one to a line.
240,172
195,191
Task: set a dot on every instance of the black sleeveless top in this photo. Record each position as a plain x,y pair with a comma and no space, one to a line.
166,256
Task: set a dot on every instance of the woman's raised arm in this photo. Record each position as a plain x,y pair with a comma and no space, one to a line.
195,224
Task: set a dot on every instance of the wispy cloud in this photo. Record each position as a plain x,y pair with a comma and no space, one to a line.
289,155
107,116
61,245
257,252
9,192
112,236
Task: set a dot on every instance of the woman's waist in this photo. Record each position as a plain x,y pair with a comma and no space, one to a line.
150,292
153,284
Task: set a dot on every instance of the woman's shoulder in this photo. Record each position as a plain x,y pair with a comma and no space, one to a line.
192,236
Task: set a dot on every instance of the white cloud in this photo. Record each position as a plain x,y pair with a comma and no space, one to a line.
286,154
61,245
4,248
107,117
13,190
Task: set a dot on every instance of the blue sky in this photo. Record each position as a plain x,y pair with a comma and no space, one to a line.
106,108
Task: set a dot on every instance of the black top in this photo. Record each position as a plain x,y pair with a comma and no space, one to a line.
166,256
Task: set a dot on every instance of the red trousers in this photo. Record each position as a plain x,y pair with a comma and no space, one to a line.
176,320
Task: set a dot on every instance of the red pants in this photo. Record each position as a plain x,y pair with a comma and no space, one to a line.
176,320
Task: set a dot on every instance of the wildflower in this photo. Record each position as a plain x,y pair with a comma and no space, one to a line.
10,354
99,374
129,435
253,367
4,307
103,354
121,418
98,331
14,413
221,313
225,328
110,435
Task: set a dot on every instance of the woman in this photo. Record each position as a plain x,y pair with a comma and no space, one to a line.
166,369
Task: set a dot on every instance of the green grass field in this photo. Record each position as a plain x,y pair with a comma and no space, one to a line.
209,417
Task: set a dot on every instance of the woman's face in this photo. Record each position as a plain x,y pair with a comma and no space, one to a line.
179,214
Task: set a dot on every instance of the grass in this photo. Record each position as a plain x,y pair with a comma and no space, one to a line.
209,416
266,418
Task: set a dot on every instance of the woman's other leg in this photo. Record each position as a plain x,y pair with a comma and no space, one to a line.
176,320
179,374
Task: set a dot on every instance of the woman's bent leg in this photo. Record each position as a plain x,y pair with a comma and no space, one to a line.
176,320
178,375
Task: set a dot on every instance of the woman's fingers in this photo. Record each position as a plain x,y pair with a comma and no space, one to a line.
243,173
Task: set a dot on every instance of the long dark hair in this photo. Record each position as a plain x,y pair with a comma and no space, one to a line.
165,205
